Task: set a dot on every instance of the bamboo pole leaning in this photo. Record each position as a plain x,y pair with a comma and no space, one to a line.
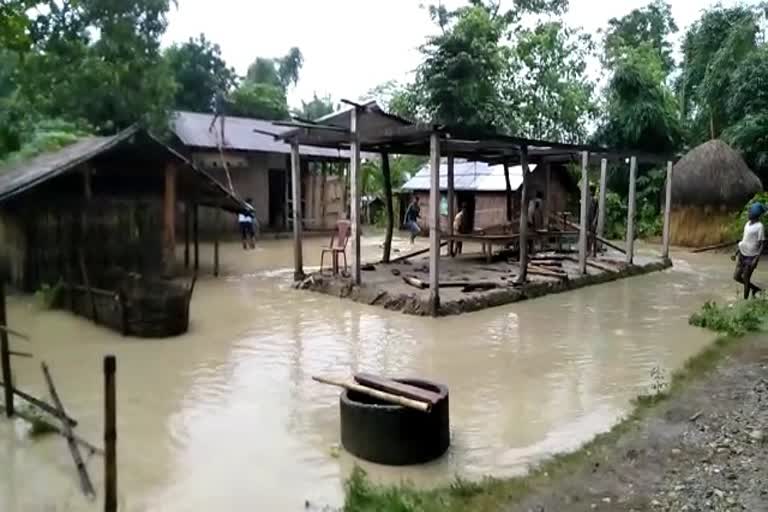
375,393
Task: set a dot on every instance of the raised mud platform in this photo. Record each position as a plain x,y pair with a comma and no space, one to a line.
384,286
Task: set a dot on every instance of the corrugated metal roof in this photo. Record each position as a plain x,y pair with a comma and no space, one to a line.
470,177
194,129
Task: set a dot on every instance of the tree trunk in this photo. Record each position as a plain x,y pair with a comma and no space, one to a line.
389,206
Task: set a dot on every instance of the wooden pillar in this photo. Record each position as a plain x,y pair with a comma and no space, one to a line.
388,203
451,200
601,198
631,210
583,227
169,221
667,213
354,182
508,196
110,435
547,194
298,263
434,224
523,277
216,236
187,216
5,354
196,235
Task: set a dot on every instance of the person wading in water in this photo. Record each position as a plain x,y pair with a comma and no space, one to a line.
749,250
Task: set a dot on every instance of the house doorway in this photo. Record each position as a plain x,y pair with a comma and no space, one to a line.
468,199
277,190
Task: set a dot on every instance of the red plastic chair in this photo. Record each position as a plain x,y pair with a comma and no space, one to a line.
337,246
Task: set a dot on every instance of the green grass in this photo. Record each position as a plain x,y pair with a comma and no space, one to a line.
491,495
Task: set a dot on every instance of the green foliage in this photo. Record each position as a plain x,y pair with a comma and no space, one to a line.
733,319
48,297
200,74
41,424
259,100
317,107
650,25
279,72
737,226
36,138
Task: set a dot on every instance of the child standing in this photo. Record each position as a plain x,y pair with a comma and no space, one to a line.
750,249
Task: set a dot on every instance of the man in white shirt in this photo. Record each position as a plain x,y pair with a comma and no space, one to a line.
245,220
750,249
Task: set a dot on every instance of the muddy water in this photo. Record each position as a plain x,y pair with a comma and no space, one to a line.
227,417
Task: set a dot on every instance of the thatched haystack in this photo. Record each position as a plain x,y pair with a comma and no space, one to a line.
711,183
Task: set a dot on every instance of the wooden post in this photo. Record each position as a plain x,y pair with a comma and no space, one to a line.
187,215
5,356
631,210
583,227
547,194
298,264
451,201
523,276
667,213
601,198
169,221
508,196
387,175
434,224
216,236
354,182
110,435
196,235
87,182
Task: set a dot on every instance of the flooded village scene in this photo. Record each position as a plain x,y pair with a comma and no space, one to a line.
467,255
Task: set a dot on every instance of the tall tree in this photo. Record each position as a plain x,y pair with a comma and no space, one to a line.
316,108
200,74
263,92
651,25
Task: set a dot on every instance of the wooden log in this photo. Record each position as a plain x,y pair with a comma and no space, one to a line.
397,388
434,224
110,435
355,183
583,227
522,278
375,393
715,247
41,404
390,207
85,481
54,428
413,254
298,263
415,282
87,283
631,201
5,356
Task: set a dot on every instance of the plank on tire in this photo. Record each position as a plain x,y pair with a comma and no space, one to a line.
397,388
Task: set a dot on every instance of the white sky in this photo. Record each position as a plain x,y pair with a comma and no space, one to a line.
350,46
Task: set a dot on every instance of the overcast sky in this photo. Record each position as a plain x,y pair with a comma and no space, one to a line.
350,46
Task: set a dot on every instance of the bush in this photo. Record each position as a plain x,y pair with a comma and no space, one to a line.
733,319
737,226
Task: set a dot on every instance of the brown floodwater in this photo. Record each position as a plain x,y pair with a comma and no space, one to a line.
227,417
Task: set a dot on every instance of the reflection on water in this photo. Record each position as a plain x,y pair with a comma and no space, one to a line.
228,418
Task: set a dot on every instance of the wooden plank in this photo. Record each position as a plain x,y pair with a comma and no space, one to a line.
375,393
85,481
397,388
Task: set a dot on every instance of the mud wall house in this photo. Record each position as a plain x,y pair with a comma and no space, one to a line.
482,188
255,165
102,204
711,184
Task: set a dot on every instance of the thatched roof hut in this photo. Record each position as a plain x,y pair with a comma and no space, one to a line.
710,183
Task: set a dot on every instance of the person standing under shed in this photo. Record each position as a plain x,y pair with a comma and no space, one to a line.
535,219
592,213
412,216
459,228
749,250
245,220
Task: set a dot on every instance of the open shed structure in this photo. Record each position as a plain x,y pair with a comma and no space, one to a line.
99,205
366,127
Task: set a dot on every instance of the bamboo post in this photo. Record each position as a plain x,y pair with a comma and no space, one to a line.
508,195
216,236
5,356
667,213
387,175
631,210
583,214
87,282
434,224
523,276
187,215
601,199
85,480
298,265
547,194
196,235
354,182
169,220
451,200
110,435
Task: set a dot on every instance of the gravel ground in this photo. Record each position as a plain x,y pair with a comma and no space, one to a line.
705,449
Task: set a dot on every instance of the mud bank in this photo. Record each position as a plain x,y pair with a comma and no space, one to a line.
383,285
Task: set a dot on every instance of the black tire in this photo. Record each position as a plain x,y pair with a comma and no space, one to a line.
393,434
